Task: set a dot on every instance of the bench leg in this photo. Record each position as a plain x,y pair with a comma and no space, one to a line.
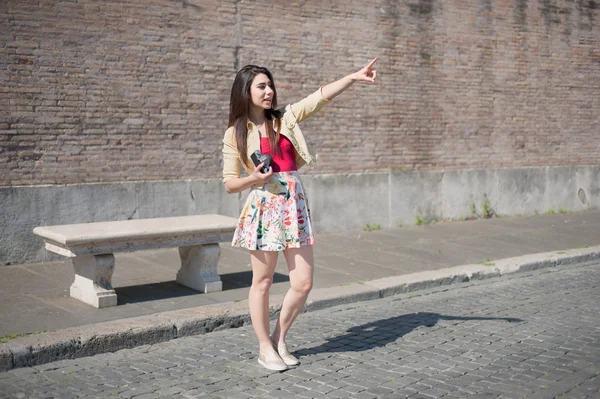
199,268
93,280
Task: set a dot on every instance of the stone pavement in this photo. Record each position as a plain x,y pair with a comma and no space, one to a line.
350,267
529,335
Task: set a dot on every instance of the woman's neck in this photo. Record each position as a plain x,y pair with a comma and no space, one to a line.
257,116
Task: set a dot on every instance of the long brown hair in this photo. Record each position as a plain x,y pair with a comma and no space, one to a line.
239,110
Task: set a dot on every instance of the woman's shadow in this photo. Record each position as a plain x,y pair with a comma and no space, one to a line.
381,332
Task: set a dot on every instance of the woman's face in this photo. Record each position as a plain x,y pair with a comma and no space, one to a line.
261,91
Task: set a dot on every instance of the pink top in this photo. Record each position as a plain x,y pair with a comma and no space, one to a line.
287,161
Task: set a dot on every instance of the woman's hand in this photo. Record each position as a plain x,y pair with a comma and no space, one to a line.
238,184
260,177
367,74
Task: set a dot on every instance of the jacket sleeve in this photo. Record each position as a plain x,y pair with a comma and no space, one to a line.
231,160
308,106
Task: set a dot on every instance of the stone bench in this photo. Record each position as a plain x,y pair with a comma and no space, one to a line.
91,246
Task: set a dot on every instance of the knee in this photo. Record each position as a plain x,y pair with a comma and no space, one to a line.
303,287
262,284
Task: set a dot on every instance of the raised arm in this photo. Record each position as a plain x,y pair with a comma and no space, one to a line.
366,74
314,102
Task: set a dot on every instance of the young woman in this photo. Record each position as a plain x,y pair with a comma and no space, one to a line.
276,215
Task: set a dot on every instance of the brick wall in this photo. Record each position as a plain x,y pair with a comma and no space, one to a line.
106,91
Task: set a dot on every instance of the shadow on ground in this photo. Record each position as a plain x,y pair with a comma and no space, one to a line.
381,332
172,289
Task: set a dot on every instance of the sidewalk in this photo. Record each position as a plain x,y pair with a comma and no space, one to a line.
35,297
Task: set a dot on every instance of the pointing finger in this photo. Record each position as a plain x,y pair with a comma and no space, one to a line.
372,62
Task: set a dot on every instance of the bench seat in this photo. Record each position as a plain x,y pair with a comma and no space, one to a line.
91,246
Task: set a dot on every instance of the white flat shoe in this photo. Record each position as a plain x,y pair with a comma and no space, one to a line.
272,362
285,354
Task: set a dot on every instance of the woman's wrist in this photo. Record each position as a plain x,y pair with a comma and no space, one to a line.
250,181
352,77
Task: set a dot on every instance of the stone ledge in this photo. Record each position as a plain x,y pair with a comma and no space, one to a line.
327,297
429,279
140,234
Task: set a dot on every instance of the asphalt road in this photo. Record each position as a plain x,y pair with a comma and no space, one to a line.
533,335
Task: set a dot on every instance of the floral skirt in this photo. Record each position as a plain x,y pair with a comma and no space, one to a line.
275,216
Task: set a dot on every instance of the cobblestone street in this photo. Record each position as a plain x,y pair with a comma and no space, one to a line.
534,335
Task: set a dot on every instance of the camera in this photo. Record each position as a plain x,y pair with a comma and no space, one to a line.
258,158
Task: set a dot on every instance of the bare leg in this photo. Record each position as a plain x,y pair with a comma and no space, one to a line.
300,265
263,268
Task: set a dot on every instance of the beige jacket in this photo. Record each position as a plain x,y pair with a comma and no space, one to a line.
292,115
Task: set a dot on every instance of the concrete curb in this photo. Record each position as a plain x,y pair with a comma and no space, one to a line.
111,336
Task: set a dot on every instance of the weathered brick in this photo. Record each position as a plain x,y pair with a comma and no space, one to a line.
461,85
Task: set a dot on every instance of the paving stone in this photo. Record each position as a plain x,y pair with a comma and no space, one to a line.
379,391
147,396
364,395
